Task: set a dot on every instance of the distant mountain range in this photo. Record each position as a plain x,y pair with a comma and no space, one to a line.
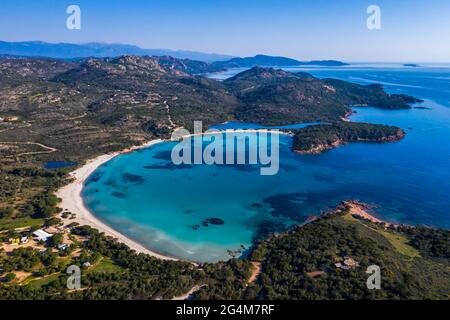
97,50
215,62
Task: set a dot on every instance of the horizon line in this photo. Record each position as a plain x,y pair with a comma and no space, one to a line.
221,54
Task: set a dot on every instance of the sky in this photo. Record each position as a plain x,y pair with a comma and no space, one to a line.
411,30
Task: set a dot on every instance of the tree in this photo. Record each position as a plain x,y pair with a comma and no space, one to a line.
52,222
9,277
57,239
6,212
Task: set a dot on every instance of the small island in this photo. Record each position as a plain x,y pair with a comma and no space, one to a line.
411,65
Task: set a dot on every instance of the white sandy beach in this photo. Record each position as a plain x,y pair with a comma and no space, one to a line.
72,200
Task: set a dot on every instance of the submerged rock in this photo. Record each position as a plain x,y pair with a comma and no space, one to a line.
95,177
215,221
128,177
118,195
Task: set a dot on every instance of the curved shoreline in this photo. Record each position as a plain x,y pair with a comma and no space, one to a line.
72,200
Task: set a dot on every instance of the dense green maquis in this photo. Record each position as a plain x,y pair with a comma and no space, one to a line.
319,245
306,262
276,97
317,138
371,95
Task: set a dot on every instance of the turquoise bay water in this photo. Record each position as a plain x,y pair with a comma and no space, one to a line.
241,125
166,207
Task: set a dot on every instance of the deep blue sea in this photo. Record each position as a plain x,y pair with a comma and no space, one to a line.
167,207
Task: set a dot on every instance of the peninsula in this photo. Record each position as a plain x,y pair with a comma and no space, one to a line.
318,138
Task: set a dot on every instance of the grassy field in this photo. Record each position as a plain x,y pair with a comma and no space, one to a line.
105,265
398,241
7,224
39,282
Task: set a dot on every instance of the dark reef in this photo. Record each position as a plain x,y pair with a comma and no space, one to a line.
118,195
128,177
213,221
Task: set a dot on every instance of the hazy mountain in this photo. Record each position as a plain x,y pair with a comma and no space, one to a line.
133,92
218,62
188,65
260,60
99,50
274,61
328,63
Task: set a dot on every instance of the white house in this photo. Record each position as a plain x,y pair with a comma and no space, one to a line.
63,246
41,235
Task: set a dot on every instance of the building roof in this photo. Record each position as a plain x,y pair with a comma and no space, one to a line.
41,234
350,262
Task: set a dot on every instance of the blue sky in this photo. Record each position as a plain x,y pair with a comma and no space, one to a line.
412,30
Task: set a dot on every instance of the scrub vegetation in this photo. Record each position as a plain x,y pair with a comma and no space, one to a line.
52,110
